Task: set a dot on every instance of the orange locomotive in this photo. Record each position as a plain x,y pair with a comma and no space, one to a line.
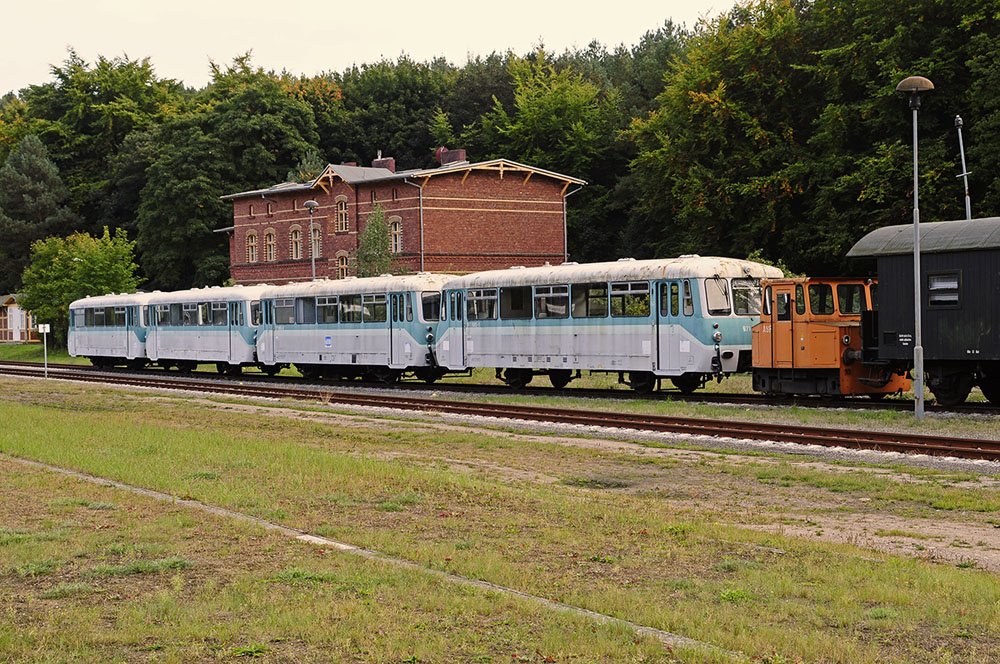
808,340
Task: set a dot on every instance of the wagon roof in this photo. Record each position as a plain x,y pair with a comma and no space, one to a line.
621,270
209,294
384,283
111,300
935,238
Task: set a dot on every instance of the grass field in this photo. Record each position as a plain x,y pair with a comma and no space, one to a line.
733,551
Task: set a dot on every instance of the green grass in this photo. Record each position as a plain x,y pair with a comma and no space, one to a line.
141,567
36,353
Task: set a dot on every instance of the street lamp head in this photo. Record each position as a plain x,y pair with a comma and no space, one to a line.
915,85
310,205
959,123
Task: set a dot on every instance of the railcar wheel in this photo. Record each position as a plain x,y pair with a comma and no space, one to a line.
517,378
952,390
429,376
187,366
222,368
990,385
384,375
271,369
560,378
642,381
687,383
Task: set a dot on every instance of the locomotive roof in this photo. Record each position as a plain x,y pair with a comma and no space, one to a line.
111,300
209,294
383,283
624,269
935,238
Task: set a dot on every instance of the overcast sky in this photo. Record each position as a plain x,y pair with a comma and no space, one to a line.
181,36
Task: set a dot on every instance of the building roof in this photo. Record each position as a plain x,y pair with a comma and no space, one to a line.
935,238
364,174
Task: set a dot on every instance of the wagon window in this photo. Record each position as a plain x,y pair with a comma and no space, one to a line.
943,289
515,302
821,299
326,310
482,304
688,299
430,304
305,310
374,308
284,311
590,300
350,308
746,297
630,299
850,298
551,301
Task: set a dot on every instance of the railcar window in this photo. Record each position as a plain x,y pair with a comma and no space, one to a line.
943,289
143,316
375,308
350,308
220,314
800,300
850,298
88,318
189,314
717,296
630,299
430,305
163,314
551,301
255,313
873,294
688,299
99,317
515,302
482,304
746,297
590,300
284,311
305,310
396,316
204,313
821,299
79,316
109,316
409,305
326,310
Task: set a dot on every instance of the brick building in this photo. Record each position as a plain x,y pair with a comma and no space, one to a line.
459,217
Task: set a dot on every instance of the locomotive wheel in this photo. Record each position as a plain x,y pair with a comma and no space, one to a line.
517,378
952,390
876,396
687,383
642,381
560,378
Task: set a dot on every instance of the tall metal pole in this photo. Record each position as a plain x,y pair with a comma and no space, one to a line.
965,172
918,348
311,205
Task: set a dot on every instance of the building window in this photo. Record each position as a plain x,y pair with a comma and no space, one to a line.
342,216
296,244
374,197
270,246
341,266
395,194
396,236
251,248
251,210
295,204
317,242
270,212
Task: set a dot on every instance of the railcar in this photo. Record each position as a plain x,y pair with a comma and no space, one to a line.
377,327
808,340
109,329
204,325
960,309
688,319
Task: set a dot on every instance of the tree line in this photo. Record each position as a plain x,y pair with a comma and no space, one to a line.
772,129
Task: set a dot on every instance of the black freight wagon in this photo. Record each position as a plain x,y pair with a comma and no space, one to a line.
960,307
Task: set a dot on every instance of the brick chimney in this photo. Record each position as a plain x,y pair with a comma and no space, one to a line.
387,162
446,156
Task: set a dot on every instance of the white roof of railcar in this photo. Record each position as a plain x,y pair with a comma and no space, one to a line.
382,284
210,294
625,269
111,300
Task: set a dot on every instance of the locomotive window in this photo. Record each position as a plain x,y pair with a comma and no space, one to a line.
255,313
850,298
688,299
821,299
305,310
800,301
220,313
782,306
717,296
746,297
350,308
630,299
326,310
590,300
551,301
409,306
284,311
767,301
189,314
204,313
943,289
482,304
430,303
515,302
374,308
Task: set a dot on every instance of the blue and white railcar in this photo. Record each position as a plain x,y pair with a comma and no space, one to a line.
109,329
204,325
686,318
353,327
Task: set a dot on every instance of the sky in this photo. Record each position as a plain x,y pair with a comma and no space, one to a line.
181,37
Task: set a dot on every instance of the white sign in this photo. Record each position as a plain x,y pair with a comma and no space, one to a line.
44,328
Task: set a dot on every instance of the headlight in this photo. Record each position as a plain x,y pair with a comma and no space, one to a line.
429,337
717,336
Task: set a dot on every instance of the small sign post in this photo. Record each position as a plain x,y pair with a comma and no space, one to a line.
44,328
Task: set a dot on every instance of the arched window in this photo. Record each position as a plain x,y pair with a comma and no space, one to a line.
251,248
295,240
396,236
317,242
341,267
342,225
270,246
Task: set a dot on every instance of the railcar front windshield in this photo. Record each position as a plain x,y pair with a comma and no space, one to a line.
717,296
430,302
746,297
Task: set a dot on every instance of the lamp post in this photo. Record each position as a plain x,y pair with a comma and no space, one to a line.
311,205
965,172
914,85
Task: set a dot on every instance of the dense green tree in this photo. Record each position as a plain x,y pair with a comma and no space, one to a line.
374,253
64,269
32,206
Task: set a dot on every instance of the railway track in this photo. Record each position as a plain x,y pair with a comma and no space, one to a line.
969,448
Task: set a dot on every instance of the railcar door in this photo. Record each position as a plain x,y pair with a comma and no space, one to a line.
668,330
782,336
